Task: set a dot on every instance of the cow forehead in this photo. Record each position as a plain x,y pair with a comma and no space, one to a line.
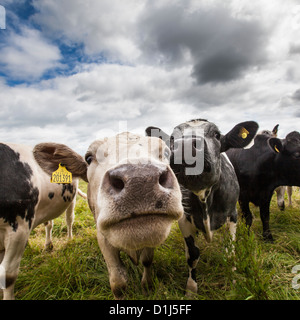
126,145
194,127
126,139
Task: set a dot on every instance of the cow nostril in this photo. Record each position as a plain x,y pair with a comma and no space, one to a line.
117,183
165,179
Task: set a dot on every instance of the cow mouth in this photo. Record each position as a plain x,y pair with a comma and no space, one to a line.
139,231
136,219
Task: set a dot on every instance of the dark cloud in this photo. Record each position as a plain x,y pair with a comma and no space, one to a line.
296,95
294,48
220,47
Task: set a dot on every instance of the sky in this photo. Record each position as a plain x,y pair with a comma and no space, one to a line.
72,71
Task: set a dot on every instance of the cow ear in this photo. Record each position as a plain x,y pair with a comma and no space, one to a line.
158,133
50,155
275,144
275,130
240,136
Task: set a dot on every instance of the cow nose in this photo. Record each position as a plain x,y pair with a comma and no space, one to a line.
187,150
136,178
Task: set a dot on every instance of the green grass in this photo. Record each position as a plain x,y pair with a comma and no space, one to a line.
76,269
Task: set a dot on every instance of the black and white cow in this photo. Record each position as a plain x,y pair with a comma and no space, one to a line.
210,194
27,199
269,163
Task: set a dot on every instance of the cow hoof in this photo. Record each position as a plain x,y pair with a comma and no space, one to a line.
118,288
119,293
48,247
147,287
191,288
268,237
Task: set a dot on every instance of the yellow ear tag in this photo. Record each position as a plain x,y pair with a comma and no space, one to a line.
61,175
276,149
243,133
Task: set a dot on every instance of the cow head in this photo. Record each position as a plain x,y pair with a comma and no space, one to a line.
196,146
269,133
132,191
287,153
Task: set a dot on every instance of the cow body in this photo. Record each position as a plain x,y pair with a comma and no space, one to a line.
134,197
27,199
210,195
269,163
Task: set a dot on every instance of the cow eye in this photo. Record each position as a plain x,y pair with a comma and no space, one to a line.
88,159
217,135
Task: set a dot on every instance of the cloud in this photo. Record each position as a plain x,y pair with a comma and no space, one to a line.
84,66
219,46
27,56
294,48
104,26
296,95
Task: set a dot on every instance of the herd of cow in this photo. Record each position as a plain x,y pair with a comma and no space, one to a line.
137,187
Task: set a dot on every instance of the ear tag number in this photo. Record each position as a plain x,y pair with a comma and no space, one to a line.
61,175
243,133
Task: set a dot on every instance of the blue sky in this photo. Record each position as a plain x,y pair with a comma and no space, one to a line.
72,71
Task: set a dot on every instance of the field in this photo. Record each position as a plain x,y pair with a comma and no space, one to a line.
75,268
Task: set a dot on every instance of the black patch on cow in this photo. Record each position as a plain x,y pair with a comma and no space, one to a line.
10,280
70,188
194,252
51,195
18,197
67,187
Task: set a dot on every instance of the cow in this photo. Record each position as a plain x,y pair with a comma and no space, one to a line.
132,193
280,191
269,163
210,194
27,199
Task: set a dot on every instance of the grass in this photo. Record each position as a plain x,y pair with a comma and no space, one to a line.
76,270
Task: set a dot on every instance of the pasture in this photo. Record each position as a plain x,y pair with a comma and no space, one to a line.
76,269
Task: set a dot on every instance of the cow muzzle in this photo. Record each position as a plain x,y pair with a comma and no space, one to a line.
140,203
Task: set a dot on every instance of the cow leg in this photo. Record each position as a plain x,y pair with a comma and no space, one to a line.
116,269
247,214
290,192
192,253
146,259
70,218
48,228
280,197
231,224
15,243
265,218
1,274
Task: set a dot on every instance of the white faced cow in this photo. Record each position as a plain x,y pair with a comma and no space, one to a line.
210,194
27,199
133,194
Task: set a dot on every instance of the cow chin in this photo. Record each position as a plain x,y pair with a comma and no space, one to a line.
145,230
